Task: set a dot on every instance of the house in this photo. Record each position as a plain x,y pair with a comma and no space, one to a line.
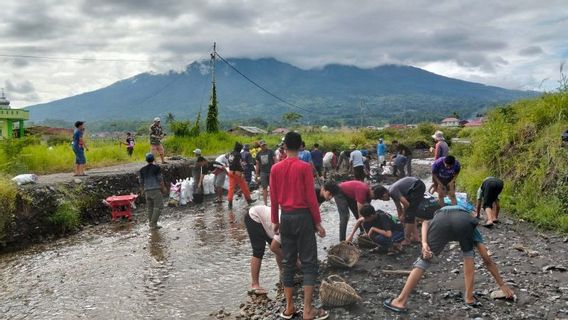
246,131
477,122
450,122
280,131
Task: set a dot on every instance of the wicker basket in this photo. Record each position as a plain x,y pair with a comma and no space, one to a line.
343,255
365,241
335,292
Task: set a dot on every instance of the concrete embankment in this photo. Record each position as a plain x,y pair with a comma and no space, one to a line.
42,210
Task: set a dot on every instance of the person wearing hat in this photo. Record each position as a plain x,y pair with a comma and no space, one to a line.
441,149
156,136
151,186
197,152
79,147
265,159
382,152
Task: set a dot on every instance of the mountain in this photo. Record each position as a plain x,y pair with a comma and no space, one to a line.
334,94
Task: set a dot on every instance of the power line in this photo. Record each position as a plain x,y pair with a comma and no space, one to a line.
83,59
261,87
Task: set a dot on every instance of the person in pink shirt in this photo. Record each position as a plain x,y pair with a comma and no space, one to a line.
292,192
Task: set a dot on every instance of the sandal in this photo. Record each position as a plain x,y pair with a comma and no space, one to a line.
321,314
258,291
283,315
387,304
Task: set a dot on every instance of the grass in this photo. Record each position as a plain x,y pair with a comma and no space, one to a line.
67,217
8,194
521,144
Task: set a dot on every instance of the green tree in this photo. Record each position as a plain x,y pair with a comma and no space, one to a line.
196,129
212,123
291,117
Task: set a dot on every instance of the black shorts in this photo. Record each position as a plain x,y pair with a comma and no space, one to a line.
258,237
414,197
451,225
491,189
359,173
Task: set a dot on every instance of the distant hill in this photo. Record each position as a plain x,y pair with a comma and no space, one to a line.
333,95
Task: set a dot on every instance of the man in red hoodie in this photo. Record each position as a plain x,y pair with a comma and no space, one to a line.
292,191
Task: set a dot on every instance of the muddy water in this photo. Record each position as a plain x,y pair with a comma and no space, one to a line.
197,263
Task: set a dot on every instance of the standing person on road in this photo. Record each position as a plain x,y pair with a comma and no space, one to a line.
156,136
79,148
236,175
405,151
292,190
445,171
488,198
280,153
329,163
357,163
221,167
129,144
382,152
406,193
317,159
449,224
248,163
152,185
265,159
441,149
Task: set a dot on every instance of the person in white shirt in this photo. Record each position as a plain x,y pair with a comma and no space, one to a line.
260,230
328,162
357,163
221,164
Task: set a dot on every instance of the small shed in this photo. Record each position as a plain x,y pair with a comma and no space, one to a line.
246,131
450,122
280,131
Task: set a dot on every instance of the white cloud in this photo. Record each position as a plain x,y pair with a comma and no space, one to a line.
515,44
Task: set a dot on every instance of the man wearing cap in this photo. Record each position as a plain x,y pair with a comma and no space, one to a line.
441,149
381,152
152,185
357,163
265,159
156,136
197,153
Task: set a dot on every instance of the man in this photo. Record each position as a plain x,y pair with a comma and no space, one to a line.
399,163
261,231
304,154
357,163
197,153
265,159
292,190
444,174
317,159
280,153
349,195
382,152
220,168
152,185
79,147
236,175
343,163
406,193
156,136
248,163
198,173
329,162
379,226
450,223
488,198
129,144
405,151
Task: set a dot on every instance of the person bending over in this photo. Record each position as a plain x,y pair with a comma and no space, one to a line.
488,198
381,228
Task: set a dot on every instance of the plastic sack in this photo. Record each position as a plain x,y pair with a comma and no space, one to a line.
25,179
387,170
175,191
208,184
462,201
186,194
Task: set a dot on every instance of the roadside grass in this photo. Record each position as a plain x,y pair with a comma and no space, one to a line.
66,218
520,143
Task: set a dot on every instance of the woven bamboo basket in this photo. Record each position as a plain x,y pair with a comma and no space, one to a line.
365,241
343,255
335,292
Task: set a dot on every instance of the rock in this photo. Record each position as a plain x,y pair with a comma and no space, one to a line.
498,294
554,268
456,271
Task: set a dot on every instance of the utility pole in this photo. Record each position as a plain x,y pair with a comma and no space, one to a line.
361,126
213,56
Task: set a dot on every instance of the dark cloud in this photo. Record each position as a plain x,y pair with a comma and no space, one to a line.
531,51
23,87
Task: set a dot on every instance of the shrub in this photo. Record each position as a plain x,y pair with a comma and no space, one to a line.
67,217
8,192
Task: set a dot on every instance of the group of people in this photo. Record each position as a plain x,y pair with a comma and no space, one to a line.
289,225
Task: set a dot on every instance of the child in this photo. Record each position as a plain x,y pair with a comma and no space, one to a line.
381,228
129,144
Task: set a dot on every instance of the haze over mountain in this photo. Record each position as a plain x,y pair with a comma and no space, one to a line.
332,95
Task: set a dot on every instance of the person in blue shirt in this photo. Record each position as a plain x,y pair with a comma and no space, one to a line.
79,147
445,171
317,158
382,152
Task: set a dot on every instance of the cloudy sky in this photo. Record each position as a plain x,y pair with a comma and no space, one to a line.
515,44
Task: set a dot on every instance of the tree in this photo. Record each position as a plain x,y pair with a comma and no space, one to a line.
212,123
195,130
291,117
456,115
